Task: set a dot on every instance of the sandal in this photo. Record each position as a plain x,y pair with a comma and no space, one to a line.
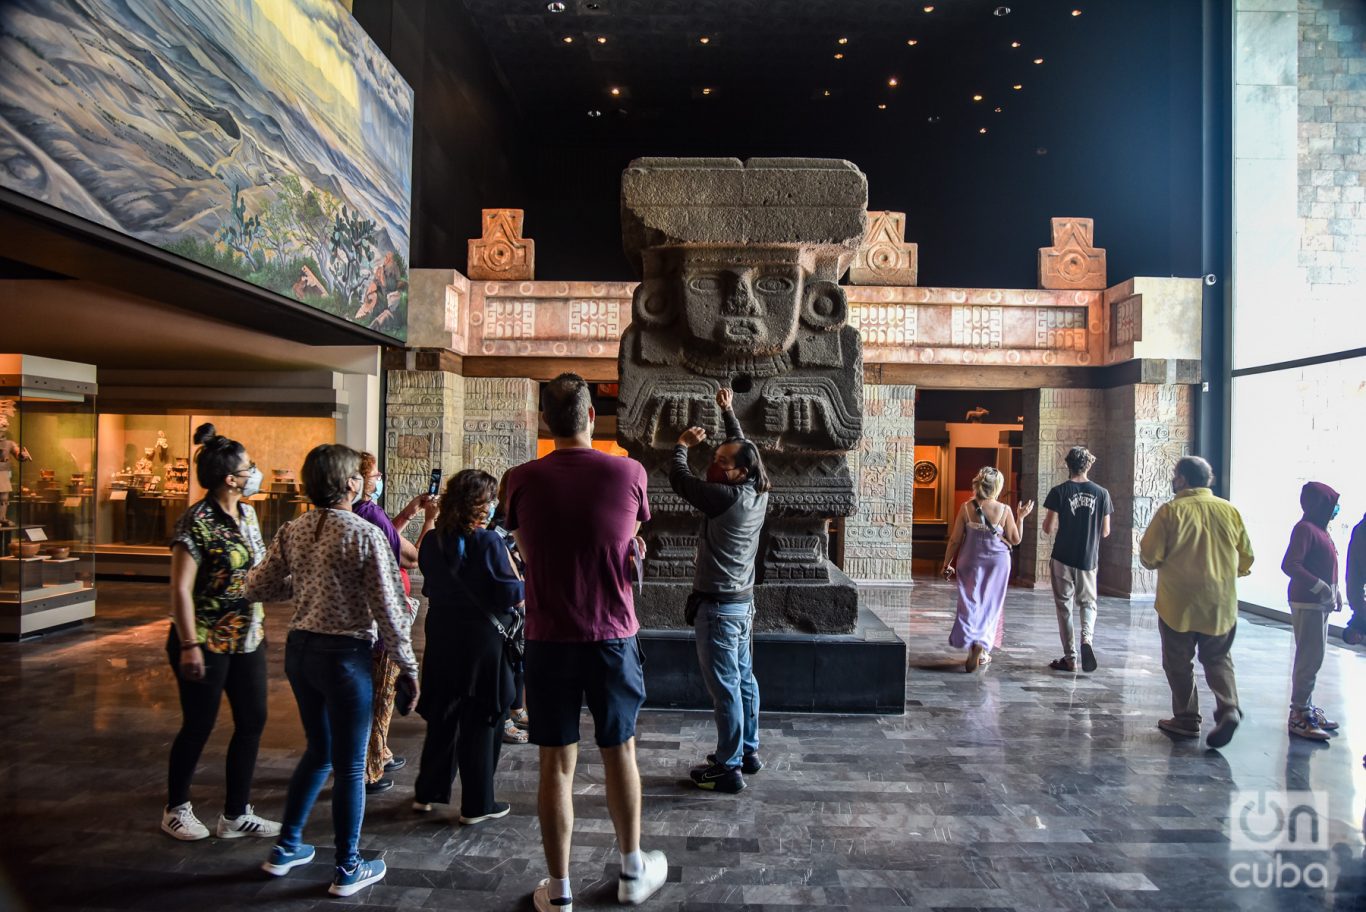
512,734
1066,663
520,718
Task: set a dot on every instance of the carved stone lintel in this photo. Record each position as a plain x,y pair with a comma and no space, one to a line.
885,258
502,254
1072,262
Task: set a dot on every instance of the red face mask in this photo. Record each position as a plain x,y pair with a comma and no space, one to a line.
717,475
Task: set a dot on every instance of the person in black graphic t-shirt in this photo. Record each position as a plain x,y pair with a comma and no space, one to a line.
1078,510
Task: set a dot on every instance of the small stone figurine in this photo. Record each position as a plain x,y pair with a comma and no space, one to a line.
144,465
162,447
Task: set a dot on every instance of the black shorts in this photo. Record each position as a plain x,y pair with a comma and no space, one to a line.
560,677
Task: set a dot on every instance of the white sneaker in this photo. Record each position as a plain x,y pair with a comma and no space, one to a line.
635,890
181,823
247,825
541,901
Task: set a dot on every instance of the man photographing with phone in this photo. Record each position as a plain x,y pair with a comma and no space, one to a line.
733,500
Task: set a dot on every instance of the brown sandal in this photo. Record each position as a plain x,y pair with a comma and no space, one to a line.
1066,663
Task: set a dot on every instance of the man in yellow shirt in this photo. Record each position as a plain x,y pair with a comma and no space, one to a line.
1199,547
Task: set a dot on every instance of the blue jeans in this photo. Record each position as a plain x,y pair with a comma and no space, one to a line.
330,676
725,652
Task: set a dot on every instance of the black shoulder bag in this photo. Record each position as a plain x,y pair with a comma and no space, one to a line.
514,637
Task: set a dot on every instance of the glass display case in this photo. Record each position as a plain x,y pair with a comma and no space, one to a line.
47,502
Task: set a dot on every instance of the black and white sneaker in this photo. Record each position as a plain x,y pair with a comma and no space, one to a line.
749,764
500,809
717,778
541,901
181,823
247,825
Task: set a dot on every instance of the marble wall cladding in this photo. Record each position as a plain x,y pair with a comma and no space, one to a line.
500,423
423,431
1263,37
877,539
1331,204
1055,421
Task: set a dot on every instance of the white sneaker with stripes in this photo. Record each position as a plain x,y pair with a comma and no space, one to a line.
181,823
247,825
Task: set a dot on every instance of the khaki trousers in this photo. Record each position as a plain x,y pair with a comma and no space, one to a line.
1178,654
1073,587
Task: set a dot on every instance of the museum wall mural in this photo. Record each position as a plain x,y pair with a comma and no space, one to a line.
267,139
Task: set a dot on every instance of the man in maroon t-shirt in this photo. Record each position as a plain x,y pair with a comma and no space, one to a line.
574,514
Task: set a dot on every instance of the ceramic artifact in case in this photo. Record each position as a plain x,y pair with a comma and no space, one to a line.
47,510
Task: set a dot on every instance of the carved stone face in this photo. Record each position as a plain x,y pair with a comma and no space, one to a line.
749,308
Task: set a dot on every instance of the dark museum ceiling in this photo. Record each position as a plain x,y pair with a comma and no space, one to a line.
1106,126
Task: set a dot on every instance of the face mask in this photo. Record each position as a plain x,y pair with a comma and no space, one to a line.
379,489
1336,508
716,475
252,486
489,519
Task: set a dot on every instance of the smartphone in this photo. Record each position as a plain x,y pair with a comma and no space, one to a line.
434,486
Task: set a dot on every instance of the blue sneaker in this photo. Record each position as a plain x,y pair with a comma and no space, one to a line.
361,876
282,860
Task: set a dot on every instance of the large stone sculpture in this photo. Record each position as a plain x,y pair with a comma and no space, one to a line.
739,266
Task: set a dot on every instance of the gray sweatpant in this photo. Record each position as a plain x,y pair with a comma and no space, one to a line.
1310,623
1072,585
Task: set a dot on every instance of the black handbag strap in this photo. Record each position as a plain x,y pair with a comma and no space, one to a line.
498,625
983,517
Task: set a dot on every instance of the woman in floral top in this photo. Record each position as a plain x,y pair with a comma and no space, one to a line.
216,643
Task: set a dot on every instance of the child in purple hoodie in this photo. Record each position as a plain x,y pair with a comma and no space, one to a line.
1311,562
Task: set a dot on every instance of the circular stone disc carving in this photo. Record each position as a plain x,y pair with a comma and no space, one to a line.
926,472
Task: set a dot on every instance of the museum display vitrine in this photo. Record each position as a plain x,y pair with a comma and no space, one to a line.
47,515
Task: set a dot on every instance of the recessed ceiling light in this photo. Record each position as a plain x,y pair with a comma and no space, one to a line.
882,107
1017,86
707,90
556,7
1076,12
983,130
568,39
614,91
842,41
999,109
704,40
933,118
839,56
595,113
1038,60
826,93
912,42
1001,11
893,82
977,98
1041,151
602,39
1014,44
929,9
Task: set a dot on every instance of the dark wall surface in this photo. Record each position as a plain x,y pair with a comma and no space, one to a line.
1108,128
468,146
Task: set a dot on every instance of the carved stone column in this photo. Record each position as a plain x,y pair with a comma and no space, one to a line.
422,432
739,266
877,539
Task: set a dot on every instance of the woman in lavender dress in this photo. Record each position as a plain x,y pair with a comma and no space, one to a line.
979,555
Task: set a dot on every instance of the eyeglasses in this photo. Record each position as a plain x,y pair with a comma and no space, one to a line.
247,471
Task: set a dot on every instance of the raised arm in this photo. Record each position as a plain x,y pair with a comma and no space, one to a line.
711,499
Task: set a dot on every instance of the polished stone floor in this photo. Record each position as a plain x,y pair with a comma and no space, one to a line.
1018,788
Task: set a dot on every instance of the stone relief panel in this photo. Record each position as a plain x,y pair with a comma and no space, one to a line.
598,321
884,257
1126,321
509,319
877,539
1072,261
500,423
423,425
1062,330
502,253
977,327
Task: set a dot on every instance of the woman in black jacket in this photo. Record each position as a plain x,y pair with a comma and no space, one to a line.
467,680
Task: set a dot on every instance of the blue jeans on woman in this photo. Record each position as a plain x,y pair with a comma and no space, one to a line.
725,652
332,684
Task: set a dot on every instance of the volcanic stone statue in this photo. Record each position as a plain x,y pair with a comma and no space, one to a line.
739,265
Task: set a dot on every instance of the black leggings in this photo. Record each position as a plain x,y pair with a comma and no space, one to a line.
242,676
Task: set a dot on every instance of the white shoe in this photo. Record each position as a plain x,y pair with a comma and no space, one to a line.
181,823
247,825
635,890
422,807
541,901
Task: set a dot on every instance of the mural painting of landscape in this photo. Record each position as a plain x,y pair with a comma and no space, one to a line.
267,139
